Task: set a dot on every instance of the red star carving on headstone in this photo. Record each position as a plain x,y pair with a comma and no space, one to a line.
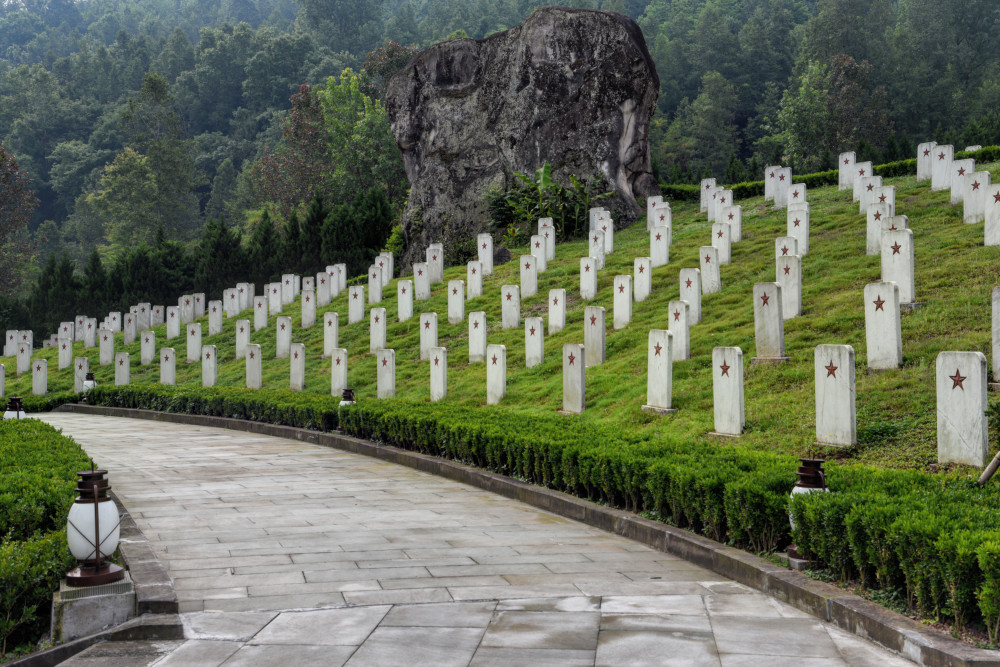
927,152
658,236
64,346
708,259
688,282
881,199
642,269
192,332
338,361
376,319
288,282
241,329
546,235
996,198
308,298
784,250
381,265
895,248
39,366
105,339
374,276
961,171
975,185
527,265
434,258
355,295
329,323
663,216
282,326
475,324
878,215
772,176
531,331
861,172
707,187
555,301
831,370
722,200
656,350
143,309
251,355
571,358
509,296
166,358
781,177
260,304
764,298
893,228
538,244
208,355
241,290
795,194
90,325
677,316
595,239
79,366
404,290
385,361
322,281
22,352
787,270
847,160
274,290
719,234
730,216
871,187
420,272
435,361
586,269
295,354
232,297
621,289
725,368
796,222
494,360
473,270
427,324
484,246
593,320
879,302
941,155
957,380
603,229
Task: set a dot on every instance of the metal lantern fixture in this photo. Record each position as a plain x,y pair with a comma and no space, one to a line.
15,410
93,530
812,478
89,382
348,398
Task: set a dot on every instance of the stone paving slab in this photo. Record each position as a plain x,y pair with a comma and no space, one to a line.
289,553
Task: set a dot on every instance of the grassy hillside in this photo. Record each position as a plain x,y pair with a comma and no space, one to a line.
895,409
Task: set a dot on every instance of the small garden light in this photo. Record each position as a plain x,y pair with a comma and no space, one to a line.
89,382
15,410
348,397
93,530
812,478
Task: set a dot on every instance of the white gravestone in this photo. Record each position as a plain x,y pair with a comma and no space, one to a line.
897,262
78,328
534,341
81,366
374,284
283,337
588,278
24,358
428,334
941,167
65,352
106,345
659,372
456,302
797,194
90,332
66,330
322,290
549,234
722,241
253,367
439,373
733,215
199,303
574,378
727,390
596,248
338,371
538,251
510,306
594,335
788,272
607,225
529,276
594,215
296,285
622,301
40,376
115,319
297,367
724,200
769,326
711,277
242,295
961,172
662,217
996,334
642,278
331,333
883,336
404,300
259,313
836,416
770,181
961,408
274,299
894,223
679,325
925,160
173,324
690,290
287,289
885,195
658,199
242,338
435,261
845,170
387,262
484,248
377,330
474,280
185,303
194,342
659,246
355,304
477,337
862,170
975,197
992,228
214,318
782,186
168,366
496,374
706,185
421,281
557,310
798,226
877,214
712,201
341,274
308,303
209,365
145,313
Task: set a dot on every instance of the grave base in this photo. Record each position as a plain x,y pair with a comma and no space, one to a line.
910,307
654,410
769,360
725,435
567,413
994,386
834,445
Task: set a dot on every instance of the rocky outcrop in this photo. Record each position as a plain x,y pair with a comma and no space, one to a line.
572,87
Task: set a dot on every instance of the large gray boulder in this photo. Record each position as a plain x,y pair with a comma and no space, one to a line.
572,87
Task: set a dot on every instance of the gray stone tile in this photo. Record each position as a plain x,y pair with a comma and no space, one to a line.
200,653
692,627
773,637
402,596
293,656
861,653
122,654
236,626
656,649
535,657
510,592
541,629
418,647
454,615
336,627
757,606
276,602
685,605
551,604
738,660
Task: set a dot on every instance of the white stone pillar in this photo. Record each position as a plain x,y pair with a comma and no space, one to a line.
242,296
845,170
421,281
722,241
308,303
331,333
215,318
404,300
884,195
549,234
65,352
254,376
287,288
607,225
386,262
883,335
862,170
374,284
168,366
209,365
81,366
711,276
782,187
622,301
679,326
496,373
727,390
24,351
377,330
296,285
355,304
106,346
996,334
510,306
297,367
385,374
788,270
439,373
40,376
78,328
975,198
992,217
435,262
925,160
574,378
594,335
659,373
733,215
322,290
534,341
877,213
341,274
474,280
145,311
893,224
274,304
897,262
770,181
283,337
338,371
477,337
961,173
712,200
90,333
596,248
706,185
798,226
259,313
663,216
157,317
428,334
538,251
836,417
769,326
588,278
642,278
456,301
797,194
66,330
242,338
173,324
941,167
193,342
185,306
961,408
690,290
659,246
115,319
484,248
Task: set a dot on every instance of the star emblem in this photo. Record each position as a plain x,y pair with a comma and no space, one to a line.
881,199
796,222
288,282
725,368
593,320
241,290
787,270
374,276
730,216
831,370
677,316
571,358
494,360
961,171
795,194
663,216
621,289
509,295
208,355
975,185
719,234
895,248
435,361
893,228
282,326
642,269
688,283
879,302
555,301
404,290
532,331
355,295
385,361
586,269
165,358
957,380
64,345
941,155
376,319
39,367
192,332
454,290
658,237
79,366
870,187
475,324
781,178
708,259
420,272
595,239
338,361
527,265
484,246
847,160
121,362
295,354
329,323
764,298
927,152
996,198
473,270
427,324
603,229
308,299
771,175
434,258
861,172
878,215
252,355
147,340
657,349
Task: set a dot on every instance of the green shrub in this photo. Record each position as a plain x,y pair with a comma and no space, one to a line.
988,557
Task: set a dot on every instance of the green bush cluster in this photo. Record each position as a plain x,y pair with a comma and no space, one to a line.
37,479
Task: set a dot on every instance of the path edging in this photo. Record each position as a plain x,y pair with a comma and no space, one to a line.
852,613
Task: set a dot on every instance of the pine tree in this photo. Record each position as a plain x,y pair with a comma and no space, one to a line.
311,236
262,251
290,245
221,262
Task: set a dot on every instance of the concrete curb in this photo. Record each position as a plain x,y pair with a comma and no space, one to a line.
923,645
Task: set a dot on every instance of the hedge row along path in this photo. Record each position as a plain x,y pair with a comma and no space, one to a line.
286,552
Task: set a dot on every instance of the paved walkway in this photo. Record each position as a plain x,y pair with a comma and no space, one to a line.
285,552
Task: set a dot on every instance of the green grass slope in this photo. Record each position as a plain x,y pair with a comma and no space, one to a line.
895,409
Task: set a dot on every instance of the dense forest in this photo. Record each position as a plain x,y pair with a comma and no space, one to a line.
151,129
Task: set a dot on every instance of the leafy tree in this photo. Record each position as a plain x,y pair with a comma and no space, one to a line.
17,202
352,25
222,189
381,64
126,200
703,134
803,116
354,234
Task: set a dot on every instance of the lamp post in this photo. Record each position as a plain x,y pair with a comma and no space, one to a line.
15,410
93,530
89,382
812,478
347,398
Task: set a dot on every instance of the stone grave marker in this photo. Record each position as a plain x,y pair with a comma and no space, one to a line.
168,366
836,417
143,316
727,390
296,285
770,181
594,335
484,246
147,347
421,281
925,160
274,304
642,278
510,306
66,330
209,365
435,262
287,288
439,373
374,284
659,246
259,313
690,289
862,170
253,366
712,202
662,217
788,271
549,234
355,304
886,196
78,328
90,333
941,167
242,337
679,325
706,185
724,200
331,333
798,227
40,376
388,268
973,148
308,302
975,197
992,216
733,215
404,300
477,337
797,194
845,170
622,301
607,225
894,223
785,245
322,289
81,366
660,373
376,330
193,342
588,278
283,337
474,280
769,327
456,301
242,295
961,408
534,341
338,371
961,172
186,305
897,262
877,214
883,336
722,241
593,215
341,277
232,303
496,373
711,277
658,199
557,310
106,346
214,318
65,352
574,378
297,367
529,276
199,302
428,334
596,248
538,251
782,187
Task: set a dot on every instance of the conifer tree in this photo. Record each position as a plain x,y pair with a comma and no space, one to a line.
262,251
